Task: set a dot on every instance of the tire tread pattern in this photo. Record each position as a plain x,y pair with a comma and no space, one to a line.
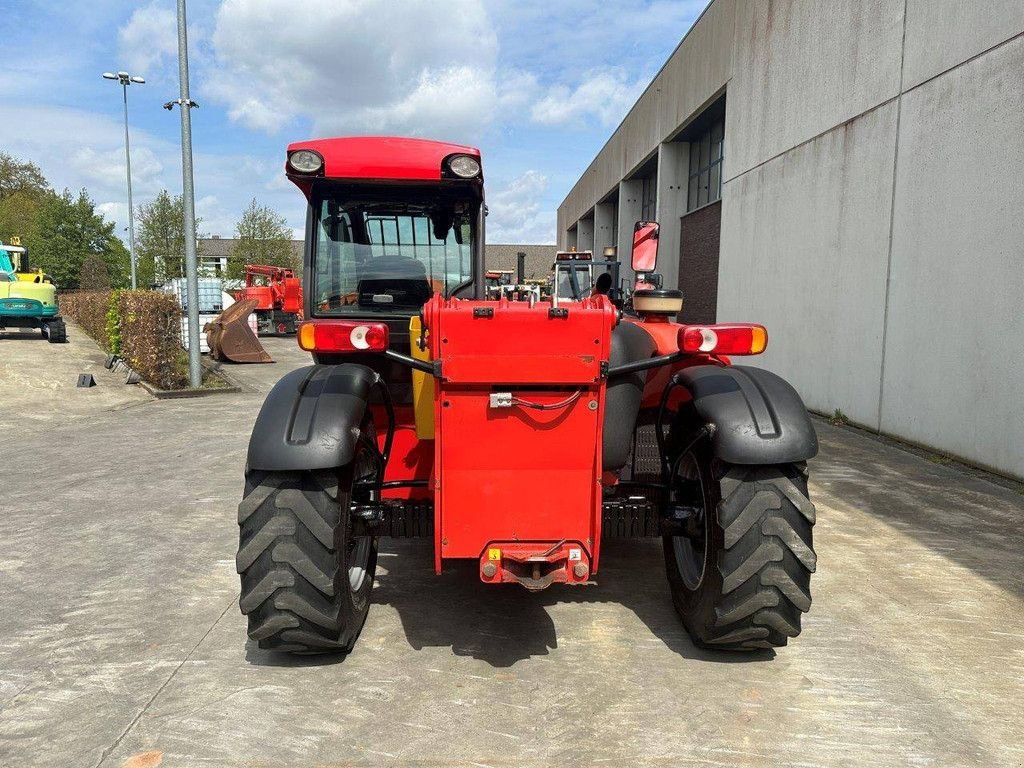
294,591
768,557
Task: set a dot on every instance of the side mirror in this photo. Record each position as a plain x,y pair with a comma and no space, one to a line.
645,246
442,222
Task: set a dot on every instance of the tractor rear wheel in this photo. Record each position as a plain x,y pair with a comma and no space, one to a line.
306,579
740,578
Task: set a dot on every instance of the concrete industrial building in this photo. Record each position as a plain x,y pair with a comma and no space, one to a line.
851,175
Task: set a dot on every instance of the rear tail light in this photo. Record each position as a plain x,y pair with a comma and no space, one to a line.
723,339
343,336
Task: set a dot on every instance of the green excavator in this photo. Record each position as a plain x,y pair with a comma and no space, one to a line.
28,298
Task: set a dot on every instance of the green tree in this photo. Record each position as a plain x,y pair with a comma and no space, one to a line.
263,238
93,275
160,239
18,176
18,214
68,229
22,190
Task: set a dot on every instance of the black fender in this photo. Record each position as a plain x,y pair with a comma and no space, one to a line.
755,417
630,343
311,419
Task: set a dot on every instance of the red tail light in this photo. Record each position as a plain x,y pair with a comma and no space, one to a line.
343,336
723,339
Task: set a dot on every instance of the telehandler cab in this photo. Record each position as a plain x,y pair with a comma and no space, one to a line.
512,433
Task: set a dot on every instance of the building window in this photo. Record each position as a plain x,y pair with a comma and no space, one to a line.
649,197
706,167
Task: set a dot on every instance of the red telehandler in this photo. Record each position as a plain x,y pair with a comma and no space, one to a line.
278,295
516,434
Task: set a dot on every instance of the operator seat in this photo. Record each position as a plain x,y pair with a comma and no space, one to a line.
400,277
394,267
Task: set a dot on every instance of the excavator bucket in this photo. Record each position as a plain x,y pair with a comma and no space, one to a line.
230,337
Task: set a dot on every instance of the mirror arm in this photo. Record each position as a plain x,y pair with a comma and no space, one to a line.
432,367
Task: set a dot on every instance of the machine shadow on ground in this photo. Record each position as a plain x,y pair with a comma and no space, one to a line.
505,624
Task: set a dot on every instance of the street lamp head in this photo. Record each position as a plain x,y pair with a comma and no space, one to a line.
137,79
109,76
122,74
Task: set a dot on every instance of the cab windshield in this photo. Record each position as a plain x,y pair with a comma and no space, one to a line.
387,256
566,273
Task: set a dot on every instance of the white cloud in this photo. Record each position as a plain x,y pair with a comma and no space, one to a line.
358,66
150,38
116,212
76,149
104,169
605,94
515,214
517,89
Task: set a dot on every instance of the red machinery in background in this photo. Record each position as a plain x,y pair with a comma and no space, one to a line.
278,296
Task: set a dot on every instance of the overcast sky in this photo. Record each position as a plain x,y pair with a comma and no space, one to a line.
538,85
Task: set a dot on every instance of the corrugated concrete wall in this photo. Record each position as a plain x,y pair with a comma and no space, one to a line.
872,208
872,213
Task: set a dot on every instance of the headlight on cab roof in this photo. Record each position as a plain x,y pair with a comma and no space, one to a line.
305,161
464,166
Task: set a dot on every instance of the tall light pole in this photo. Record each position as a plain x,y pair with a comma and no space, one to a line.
125,80
195,374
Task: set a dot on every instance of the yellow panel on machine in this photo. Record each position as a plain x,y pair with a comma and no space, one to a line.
422,383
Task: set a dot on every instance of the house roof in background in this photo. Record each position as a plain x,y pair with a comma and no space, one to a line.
220,247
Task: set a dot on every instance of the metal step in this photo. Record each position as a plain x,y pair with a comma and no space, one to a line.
629,518
397,519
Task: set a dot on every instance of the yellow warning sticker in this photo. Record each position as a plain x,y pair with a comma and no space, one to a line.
494,553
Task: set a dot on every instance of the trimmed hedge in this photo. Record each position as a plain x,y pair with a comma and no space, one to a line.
143,327
88,309
151,337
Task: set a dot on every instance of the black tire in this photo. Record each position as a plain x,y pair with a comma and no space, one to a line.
758,556
299,562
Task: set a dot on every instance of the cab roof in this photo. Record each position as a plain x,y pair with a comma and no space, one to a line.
378,158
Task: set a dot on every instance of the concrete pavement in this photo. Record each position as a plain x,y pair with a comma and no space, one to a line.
123,644
40,380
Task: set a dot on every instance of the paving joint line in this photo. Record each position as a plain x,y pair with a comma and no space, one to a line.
109,750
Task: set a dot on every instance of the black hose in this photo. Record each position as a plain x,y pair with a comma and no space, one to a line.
659,426
389,408
549,406
701,433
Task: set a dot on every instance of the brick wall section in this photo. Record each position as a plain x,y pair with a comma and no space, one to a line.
698,263
539,258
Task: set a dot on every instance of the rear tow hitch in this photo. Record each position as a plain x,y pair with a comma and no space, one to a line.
535,565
